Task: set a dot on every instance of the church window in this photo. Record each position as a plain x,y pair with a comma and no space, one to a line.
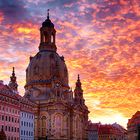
43,124
58,124
58,93
45,37
67,122
52,39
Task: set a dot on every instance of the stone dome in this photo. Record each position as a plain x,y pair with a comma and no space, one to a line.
44,67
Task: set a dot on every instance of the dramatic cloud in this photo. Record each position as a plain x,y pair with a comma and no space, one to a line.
99,39
13,10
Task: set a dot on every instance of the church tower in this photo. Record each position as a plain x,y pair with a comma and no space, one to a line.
58,115
81,118
13,83
47,35
78,92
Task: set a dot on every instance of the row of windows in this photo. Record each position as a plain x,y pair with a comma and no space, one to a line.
26,133
6,99
14,101
9,119
12,138
29,116
10,129
9,110
28,124
31,138
118,138
27,139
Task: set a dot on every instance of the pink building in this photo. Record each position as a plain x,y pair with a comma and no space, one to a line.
16,112
98,131
111,132
9,112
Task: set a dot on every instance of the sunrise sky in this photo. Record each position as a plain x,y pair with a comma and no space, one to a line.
100,40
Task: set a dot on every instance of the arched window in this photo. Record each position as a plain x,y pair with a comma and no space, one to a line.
46,38
67,126
78,127
58,124
43,124
52,39
58,93
77,124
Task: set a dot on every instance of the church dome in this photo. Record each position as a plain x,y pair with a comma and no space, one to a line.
46,70
44,67
47,23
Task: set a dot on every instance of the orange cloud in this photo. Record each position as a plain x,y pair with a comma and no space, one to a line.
1,17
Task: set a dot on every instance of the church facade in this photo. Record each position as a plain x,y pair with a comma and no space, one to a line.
60,113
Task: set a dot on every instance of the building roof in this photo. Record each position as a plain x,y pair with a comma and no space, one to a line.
2,86
121,128
7,91
134,121
93,126
22,102
25,104
106,129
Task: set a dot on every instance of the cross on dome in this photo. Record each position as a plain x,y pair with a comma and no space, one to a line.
13,73
78,78
48,14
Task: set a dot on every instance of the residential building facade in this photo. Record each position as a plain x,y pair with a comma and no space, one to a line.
93,130
26,119
133,127
98,131
26,126
9,112
111,132
16,113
